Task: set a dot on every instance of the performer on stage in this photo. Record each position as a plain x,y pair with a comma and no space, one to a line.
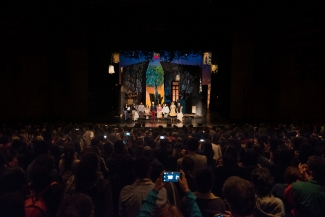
141,110
173,112
153,110
180,114
135,115
126,111
147,111
159,112
165,110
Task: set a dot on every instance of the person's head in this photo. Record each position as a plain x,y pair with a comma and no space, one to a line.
291,174
316,166
188,164
169,211
119,147
41,147
155,171
204,180
240,196
148,153
87,168
139,142
262,181
193,144
68,156
41,172
142,167
95,142
78,205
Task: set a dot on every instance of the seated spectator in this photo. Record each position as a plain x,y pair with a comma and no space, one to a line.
266,203
209,204
113,162
240,197
308,198
131,196
148,153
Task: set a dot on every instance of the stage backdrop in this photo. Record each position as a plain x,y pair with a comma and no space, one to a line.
162,81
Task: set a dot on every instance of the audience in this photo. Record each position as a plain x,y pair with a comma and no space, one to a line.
95,170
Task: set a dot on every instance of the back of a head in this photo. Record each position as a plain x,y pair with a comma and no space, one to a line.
95,142
41,172
87,168
316,165
169,211
141,167
41,147
188,164
119,147
240,195
156,169
262,181
204,180
193,144
79,205
292,174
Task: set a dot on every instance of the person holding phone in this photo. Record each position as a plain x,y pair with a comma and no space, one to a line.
147,204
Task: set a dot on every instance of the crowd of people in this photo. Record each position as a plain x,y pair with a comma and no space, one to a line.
85,170
154,112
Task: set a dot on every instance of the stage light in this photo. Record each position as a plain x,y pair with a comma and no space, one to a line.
111,69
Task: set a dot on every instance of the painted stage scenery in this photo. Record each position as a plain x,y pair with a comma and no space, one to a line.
164,79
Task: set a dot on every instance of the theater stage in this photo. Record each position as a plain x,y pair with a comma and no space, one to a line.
211,119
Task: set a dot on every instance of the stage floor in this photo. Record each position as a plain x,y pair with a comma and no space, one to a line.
211,119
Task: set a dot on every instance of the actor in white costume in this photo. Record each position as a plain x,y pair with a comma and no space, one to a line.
165,110
180,114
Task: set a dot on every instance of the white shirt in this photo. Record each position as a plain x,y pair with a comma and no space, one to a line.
217,151
165,110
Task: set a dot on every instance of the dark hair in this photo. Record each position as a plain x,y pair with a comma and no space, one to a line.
239,193
262,181
291,175
78,205
41,147
188,164
95,142
204,180
316,165
141,167
68,157
119,147
41,172
156,169
87,168
193,144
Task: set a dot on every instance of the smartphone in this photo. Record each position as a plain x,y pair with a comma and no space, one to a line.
125,141
218,215
105,136
126,134
162,137
201,140
170,176
77,128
